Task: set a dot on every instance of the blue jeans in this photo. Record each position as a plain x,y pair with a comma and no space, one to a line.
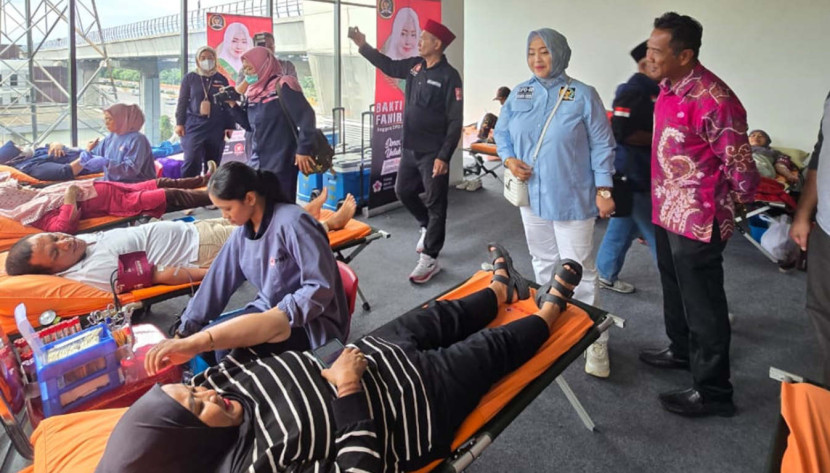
621,232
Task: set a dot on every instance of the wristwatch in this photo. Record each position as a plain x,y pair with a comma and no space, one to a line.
604,192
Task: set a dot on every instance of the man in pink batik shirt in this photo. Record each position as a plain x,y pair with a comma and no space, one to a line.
702,167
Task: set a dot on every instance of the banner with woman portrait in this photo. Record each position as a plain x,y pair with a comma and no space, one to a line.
231,36
399,25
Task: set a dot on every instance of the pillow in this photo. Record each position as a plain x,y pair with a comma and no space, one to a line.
73,443
798,156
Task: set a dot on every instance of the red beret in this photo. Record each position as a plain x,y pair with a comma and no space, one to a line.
440,31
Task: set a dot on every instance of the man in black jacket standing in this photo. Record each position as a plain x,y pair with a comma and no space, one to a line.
431,130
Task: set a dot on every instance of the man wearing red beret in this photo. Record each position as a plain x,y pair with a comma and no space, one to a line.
431,130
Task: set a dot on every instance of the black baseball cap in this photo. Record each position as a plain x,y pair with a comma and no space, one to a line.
502,93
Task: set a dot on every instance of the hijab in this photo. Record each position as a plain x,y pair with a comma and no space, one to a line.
559,50
127,118
158,434
227,44
209,72
391,47
266,67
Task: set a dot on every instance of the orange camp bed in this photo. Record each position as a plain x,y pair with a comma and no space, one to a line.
75,442
483,153
802,439
24,178
11,230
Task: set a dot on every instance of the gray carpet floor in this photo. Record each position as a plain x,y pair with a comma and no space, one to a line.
633,433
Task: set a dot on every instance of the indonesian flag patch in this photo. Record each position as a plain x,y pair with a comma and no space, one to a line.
458,94
622,112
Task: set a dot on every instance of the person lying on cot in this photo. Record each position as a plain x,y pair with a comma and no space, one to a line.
60,207
772,163
53,162
92,258
391,401
128,153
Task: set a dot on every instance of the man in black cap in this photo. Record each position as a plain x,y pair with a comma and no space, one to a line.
632,123
502,94
431,131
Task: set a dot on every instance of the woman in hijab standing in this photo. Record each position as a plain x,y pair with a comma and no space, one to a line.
201,124
128,152
570,180
274,147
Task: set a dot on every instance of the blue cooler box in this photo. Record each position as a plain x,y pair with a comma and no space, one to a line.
307,185
77,368
346,180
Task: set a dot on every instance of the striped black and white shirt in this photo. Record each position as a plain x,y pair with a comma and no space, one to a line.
300,425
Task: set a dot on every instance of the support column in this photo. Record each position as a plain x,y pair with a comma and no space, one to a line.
150,89
452,16
92,96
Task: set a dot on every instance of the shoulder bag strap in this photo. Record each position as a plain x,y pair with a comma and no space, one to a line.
562,92
285,111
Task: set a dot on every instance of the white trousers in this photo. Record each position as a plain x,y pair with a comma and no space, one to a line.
549,241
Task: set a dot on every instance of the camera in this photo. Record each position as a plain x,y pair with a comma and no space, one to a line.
226,93
259,39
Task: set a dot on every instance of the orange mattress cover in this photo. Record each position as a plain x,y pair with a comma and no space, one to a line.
11,230
352,231
24,178
484,148
806,409
65,434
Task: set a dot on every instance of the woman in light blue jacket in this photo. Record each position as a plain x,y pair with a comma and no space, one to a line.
569,182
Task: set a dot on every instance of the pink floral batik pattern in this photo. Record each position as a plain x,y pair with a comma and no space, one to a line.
701,159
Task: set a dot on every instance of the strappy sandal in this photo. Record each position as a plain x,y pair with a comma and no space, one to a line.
572,278
514,281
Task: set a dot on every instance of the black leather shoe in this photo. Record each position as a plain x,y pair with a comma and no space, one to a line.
664,358
689,403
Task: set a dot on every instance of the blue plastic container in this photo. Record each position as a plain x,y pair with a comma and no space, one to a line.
75,378
307,185
346,180
757,227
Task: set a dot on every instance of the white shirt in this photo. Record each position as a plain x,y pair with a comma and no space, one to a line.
823,172
166,244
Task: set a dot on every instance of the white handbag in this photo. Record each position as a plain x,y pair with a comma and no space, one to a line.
515,190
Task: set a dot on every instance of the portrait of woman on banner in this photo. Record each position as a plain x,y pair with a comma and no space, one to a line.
236,42
402,42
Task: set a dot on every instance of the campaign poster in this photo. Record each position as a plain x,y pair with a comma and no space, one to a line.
231,36
399,25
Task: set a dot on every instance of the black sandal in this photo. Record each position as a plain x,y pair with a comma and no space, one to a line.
543,295
514,280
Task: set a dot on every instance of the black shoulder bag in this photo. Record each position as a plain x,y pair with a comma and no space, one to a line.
321,150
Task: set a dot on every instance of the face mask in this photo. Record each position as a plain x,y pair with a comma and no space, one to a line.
206,64
251,79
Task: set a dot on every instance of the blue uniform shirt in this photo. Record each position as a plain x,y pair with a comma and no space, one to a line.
577,153
129,157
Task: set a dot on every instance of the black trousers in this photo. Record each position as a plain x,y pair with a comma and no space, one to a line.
414,177
199,149
818,293
458,360
695,308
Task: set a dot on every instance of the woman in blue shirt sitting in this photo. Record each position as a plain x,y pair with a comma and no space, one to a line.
275,148
201,124
282,251
569,181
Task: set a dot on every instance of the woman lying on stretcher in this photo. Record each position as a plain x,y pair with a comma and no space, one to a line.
390,402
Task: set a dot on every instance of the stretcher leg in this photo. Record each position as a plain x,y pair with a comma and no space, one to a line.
365,303
580,411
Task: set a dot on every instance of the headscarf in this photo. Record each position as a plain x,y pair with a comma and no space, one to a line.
390,47
267,66
559,50
227,44
766,135
127,118
27,205
199,69
159,434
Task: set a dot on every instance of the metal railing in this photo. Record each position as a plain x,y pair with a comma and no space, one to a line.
170,24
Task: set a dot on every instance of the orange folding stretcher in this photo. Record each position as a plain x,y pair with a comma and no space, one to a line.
802,439
75,442
24,178
483,153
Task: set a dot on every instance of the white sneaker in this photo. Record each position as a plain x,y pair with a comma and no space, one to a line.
474,184
462,185
419,247
426,268
596,360
617,286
